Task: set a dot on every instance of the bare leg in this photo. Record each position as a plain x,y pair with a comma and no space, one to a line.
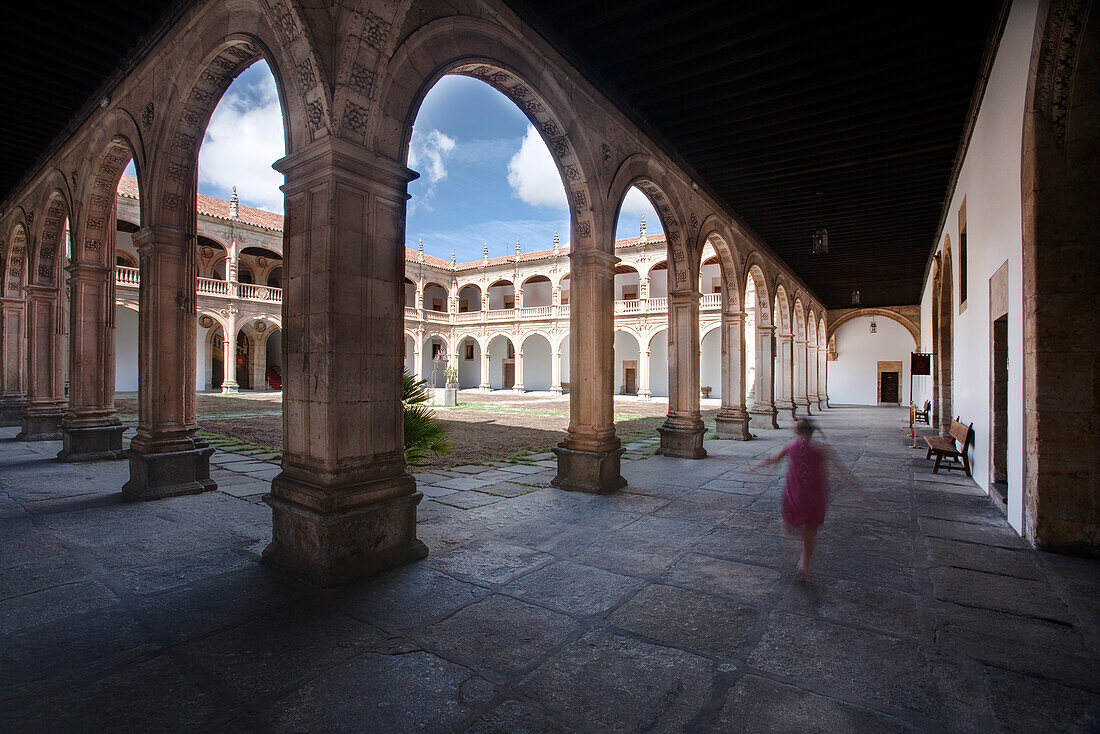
809,538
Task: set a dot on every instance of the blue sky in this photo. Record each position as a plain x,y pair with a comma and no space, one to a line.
485,175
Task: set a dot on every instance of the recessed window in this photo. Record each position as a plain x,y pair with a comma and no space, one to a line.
962,266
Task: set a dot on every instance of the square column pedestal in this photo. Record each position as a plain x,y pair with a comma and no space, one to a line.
682,443
331,537
766,419
594,472
93,443
734,426
44,426
169,474
11,411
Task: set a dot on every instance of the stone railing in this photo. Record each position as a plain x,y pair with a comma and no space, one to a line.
130,278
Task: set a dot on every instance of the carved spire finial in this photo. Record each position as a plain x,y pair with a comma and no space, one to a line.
453,263
234,205
642,236
485,251
557,242
519,249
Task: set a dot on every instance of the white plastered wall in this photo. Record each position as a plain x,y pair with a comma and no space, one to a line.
853,377
990,183
126,350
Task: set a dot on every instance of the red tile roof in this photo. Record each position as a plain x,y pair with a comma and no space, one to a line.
219,209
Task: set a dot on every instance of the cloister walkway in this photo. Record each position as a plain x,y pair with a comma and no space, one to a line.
671,606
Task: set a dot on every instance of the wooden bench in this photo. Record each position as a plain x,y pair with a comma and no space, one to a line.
949,446
921,416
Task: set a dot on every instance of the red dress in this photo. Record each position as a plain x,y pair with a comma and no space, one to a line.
806,493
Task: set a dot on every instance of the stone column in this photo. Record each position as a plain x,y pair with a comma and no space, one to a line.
822,379
13,394
811,375
167,457
344,505
784,396
555,373
519,298
643,376
418,365
682,431
45,389
733,419
484,372
90,428
518,386
589,457
801,399
229,351
763,413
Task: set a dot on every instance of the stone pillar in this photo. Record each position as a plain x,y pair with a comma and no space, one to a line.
643,289
13,336
229,351
822,379
784,396
519,298
589,457
801,399
555,373
344,505
418,365
45,389
484,372
91,429
643,376
167,457
811,375
682,431
13,394
763,413
518,386
733,419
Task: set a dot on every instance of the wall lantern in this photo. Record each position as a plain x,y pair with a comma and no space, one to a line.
855,298
874,326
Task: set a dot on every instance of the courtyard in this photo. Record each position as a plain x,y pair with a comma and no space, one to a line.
669,606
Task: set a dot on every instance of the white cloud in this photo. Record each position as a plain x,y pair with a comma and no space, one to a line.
243,139
533,176
429,151
635,204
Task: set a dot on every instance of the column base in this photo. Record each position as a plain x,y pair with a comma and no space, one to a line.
41,427
594,472
169,474
518,390
96,443
557,390
804,407
733,427
11,412
764,419
787,409
644,394
328,548
682,443
230,389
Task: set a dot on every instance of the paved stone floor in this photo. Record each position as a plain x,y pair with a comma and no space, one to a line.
671,606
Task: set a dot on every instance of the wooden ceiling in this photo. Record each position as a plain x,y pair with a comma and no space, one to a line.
769,103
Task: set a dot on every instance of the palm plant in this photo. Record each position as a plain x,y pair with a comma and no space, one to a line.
423,433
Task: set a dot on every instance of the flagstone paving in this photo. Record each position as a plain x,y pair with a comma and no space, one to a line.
670,606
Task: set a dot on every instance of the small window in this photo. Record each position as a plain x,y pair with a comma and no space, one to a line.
511,351
469,352
437,349
630,294
509,302
437,304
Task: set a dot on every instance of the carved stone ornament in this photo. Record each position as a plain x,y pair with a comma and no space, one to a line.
206,252
205,321
147,116
262,262
261,327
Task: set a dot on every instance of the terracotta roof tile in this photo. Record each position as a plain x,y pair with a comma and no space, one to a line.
219,209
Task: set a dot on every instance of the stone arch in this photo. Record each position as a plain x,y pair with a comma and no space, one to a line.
527,335
755,273
648,176
15,256
715,232
782,311
48,257
811,327
799,319
94,240
228,41
501,58
708,328
913,329
630,330
467,335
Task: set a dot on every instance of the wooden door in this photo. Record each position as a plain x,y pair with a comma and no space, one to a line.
630,381
509,375
890,385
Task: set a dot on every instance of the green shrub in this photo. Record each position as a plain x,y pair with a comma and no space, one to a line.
423,433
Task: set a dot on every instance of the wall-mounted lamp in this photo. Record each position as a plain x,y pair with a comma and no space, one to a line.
874,326
855,298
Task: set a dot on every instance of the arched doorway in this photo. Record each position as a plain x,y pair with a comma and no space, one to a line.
273,369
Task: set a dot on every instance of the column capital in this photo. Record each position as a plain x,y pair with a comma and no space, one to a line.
592,257
162,237
683,295
332,155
